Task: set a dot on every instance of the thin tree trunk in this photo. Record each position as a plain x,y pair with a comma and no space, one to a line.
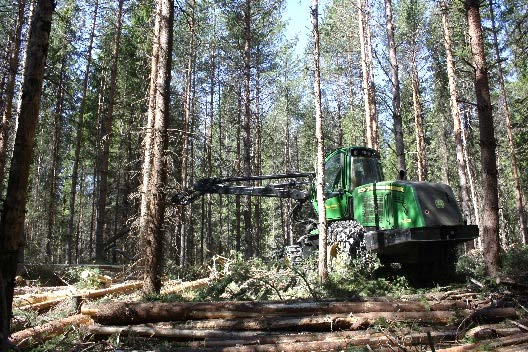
182,222
418,120
209,146
14,208
248,230
55,160
455,113
104,152
238,170
395,84
10,90
490,219
78,138
78,240
366,75
476,216
101,102
371,84
511,144
258,162
152,221
323,269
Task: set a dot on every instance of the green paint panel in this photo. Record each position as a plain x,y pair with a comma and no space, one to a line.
387,205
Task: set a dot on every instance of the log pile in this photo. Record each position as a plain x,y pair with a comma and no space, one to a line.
308,325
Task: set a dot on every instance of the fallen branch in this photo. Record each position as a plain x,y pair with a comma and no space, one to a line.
39,334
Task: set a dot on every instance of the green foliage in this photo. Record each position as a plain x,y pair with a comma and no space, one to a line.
84,277
258,280
471,264
515,264
360,279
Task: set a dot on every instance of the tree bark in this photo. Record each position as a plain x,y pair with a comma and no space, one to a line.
103,157
122,312
395,84
187,107
40,334
369,90
418,118
248,226
371,84
489,229
78,139
13,211
320,181
199,318
151,231
54,170
455,113
12,71
511,144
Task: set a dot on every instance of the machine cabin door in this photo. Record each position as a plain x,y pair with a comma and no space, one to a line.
335,192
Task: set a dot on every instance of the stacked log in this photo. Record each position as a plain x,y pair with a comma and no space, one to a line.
31,336
288,326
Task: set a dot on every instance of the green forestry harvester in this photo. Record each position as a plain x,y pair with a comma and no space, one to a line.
417,224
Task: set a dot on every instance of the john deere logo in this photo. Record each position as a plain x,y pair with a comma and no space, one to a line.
439,203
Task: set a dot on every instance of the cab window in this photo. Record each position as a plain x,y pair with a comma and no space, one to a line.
333,169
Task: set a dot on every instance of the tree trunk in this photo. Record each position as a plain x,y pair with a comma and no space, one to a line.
13,211
186,126
12,71
395,84
368,86
78,139
489,229
371,84
323,268
151,221
507,119
53,183
418,119
238,170
455,113
248,229
103,157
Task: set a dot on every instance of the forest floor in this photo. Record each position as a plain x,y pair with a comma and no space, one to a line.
241,305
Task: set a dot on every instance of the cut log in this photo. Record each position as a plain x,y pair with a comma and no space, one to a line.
329,322
42,306
123,288
120,313
516,348
39,334
183,286
492,330
29,299
222,338
490,345
47,300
